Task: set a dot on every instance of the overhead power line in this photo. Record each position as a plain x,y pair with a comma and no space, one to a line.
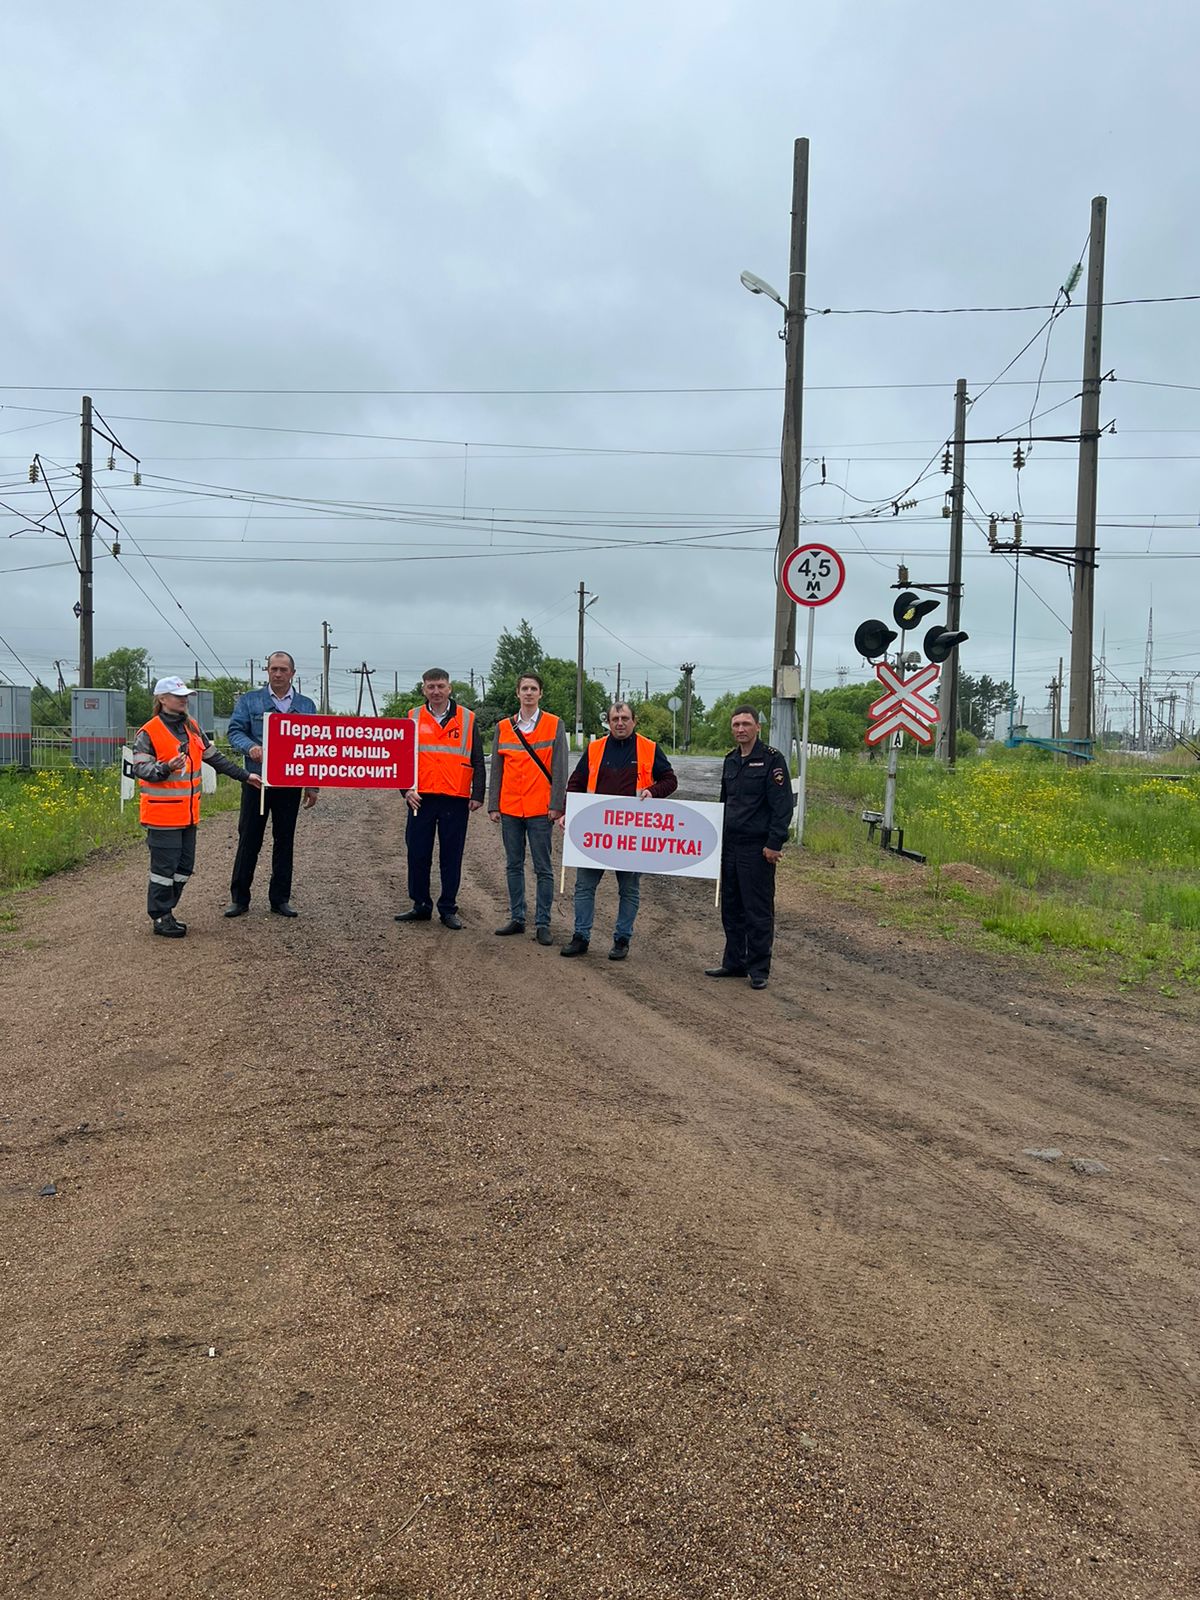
966,311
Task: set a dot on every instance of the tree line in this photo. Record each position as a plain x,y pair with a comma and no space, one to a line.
838,717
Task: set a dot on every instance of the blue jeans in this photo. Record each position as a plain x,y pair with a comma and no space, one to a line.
629,894
515,831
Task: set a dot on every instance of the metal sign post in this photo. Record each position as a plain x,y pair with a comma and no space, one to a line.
673,705
812,576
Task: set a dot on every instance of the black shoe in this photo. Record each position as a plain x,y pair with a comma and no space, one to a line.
235,908
724,972
577,947
169,928
285,909
452,920
758,983
619,950
543,936
511,927
417,914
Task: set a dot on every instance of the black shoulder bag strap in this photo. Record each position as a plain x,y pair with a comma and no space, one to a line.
541,765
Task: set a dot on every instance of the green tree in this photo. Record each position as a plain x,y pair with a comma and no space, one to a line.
126,668
225,692
49,707
399,705
980,702
715,731
558,695
654,721
516,653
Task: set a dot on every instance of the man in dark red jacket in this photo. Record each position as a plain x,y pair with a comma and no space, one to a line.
628,764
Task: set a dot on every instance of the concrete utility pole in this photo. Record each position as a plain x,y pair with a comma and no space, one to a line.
687,668
326,647
949,729
617,696
783,684
363,674
86,525
1083,605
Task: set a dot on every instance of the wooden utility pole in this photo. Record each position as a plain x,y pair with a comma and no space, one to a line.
86,525
783,687
579,666
326,647
1079,725
949,740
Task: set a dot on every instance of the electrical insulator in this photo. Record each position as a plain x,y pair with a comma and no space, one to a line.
33,472
1073,278
946,507
116,547
902,576
1018,458
992,530
112,463
1016,530
822,469
137,480
946,460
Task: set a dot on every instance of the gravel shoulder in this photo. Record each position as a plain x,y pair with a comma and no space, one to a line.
534,1278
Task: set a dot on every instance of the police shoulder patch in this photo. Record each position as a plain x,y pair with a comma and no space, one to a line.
777,774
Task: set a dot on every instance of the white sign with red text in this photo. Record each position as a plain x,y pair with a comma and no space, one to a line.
622,834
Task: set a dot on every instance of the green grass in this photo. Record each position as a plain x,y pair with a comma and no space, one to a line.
1097,862
55,818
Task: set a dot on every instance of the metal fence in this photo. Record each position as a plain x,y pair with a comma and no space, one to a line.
51,747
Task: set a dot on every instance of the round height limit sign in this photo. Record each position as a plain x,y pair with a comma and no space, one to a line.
812,576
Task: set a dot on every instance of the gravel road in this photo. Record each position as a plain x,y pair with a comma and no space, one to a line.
397,1262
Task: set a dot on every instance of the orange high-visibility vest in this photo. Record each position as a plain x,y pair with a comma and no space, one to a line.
645,761
173,802
444,753
524,790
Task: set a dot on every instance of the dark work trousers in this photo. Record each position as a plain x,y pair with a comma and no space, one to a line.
172,857
446,816
283,807
747,908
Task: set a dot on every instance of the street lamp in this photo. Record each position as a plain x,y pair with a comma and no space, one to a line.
757,285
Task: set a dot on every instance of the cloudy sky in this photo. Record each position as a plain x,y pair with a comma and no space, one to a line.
417,317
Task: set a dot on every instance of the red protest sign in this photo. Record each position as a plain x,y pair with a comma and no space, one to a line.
338,752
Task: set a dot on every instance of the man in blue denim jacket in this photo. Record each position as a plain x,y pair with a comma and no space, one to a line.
281,805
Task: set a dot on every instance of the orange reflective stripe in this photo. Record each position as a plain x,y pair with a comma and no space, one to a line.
444,767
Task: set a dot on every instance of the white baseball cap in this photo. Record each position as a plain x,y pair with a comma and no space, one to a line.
172,686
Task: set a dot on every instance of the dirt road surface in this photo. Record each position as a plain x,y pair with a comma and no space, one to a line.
398,1262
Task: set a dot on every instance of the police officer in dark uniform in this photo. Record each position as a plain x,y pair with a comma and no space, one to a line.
756,791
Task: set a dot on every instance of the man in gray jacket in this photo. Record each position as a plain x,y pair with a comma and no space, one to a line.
527,792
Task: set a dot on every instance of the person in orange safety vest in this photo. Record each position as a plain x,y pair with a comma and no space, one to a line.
527,792
167,752
623,763
450,782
